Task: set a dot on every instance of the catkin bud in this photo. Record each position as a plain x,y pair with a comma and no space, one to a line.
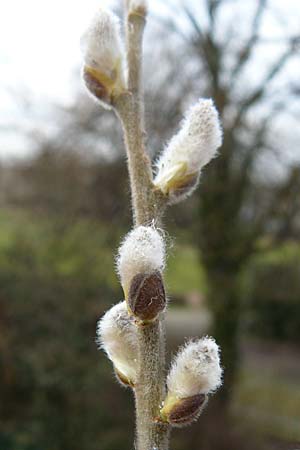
179,166
140,262
138,7
116,334
195,373
103,57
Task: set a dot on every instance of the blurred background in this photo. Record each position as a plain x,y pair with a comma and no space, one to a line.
234,246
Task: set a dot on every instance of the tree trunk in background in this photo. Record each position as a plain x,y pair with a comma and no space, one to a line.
224,247
224,302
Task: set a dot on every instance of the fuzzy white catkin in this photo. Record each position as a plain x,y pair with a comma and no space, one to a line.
101,43
116,334
193,146
142,251
196,369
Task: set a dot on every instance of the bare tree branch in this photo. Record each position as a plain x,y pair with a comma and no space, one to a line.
259,92
250,45
212,6
207,47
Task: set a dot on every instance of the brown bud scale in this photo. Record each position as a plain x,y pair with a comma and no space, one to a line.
123,379
187,410
96,87
146,298
184,187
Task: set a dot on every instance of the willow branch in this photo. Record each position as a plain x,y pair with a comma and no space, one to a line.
146,204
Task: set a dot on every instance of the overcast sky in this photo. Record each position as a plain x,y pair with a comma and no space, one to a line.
39,48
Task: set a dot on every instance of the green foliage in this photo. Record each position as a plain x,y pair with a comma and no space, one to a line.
184,271
55,281
274,291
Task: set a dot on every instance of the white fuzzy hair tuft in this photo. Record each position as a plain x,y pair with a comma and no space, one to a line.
196,369
101,43
116,335
142,251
